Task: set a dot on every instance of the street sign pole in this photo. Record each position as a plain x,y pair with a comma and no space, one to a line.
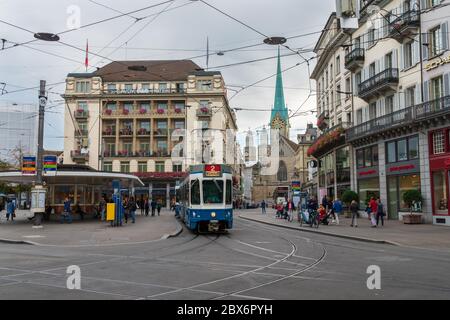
38,207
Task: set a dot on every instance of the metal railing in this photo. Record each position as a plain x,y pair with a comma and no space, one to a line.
81,114
356,54
76,154
408,18
410,115
386,76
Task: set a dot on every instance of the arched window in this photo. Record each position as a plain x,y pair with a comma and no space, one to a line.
282,172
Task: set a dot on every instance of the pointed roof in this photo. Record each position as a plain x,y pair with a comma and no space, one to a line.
279,106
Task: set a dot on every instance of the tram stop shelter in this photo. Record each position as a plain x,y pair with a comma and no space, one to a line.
82,184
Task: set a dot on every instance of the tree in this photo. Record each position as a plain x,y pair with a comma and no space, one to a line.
412,197
348,196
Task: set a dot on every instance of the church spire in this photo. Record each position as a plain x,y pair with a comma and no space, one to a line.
279,118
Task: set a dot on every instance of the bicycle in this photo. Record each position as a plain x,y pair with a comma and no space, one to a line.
310,217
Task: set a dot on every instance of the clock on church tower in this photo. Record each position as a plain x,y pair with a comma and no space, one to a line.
278,123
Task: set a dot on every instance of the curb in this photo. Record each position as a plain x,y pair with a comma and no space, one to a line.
324,233
176,233
9,241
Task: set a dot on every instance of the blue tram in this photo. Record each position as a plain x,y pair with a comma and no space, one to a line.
206,198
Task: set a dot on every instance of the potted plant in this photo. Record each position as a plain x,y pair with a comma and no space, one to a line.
126,111
160,111
347,197
177,110
411,198
143,111
204,109
108,112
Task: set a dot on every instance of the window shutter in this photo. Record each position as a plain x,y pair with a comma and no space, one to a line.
444,35
402,97
382,64
417,94
416,52
396,103
446,84
377,66
402,57
395,59
426,47
423,4
426,96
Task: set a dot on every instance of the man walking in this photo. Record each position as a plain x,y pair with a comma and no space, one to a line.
354,210
102,207
67,214
153,205
10,210
132,209
158,207
337,209
147,207
263,207
380,212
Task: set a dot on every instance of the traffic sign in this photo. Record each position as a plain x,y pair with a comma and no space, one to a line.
50,164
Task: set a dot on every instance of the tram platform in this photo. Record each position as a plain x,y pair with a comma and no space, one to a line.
88,232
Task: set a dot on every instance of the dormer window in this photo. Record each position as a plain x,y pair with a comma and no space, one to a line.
163,87
112,88
83,87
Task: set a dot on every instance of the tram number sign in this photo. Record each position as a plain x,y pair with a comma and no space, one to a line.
212,170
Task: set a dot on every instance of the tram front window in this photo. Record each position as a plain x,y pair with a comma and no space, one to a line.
195,192
212,191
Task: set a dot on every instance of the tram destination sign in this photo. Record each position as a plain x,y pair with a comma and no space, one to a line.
213,170
50,164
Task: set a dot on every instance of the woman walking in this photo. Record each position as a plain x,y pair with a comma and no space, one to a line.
380,212
373,204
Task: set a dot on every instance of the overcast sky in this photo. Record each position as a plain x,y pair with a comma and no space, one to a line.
179,33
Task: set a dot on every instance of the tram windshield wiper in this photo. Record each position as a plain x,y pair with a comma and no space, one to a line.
217,185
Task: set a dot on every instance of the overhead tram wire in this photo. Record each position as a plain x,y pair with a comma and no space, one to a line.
112,9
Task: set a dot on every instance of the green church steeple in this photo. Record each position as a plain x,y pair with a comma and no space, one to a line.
279,118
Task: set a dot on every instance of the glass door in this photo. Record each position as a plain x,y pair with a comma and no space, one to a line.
392,198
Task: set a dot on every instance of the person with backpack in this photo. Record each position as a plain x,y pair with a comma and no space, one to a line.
67,214
10,210
158,207
132,207
263,206
354,207
337,209
380,212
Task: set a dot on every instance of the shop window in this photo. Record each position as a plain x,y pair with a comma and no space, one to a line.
368,188
413,148
374,155
368,157
61,192
402,153
391,152
360,158
440,192
405,183
438,142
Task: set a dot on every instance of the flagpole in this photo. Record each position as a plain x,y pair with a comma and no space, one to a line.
86,61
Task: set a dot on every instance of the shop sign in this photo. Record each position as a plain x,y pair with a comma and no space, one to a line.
367,173
437,63
402,168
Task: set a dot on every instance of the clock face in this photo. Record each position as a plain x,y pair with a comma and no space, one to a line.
277,123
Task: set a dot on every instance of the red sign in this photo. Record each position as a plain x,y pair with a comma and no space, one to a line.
402,168
213,170
366,173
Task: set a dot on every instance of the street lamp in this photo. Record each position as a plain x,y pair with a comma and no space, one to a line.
44,36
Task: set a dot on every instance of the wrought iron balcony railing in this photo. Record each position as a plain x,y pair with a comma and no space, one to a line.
354,59
381,81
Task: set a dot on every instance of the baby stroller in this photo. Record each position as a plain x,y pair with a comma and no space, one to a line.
281,212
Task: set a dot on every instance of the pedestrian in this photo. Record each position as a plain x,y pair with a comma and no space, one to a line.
79,211
102,208
67,213
158,207
147,207
263,207
125,208
325,202
337,209
373,204
132,207
313,205
142,205
354,210
153,205
380,212
10,210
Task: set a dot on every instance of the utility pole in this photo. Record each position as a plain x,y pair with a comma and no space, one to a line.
38,193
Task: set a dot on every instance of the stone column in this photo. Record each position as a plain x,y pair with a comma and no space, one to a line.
382,173
425,179
168,195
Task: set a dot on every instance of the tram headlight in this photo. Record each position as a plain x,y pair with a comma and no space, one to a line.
213,214
193,214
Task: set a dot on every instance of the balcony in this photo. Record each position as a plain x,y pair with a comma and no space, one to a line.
124,154
355,59
161,132
330,139
381,83
143,153
204,112
109,133
81,133
364,5
177,112
126,132
405,25
78,156
426,114
81,114
142,132
161,153
113,92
